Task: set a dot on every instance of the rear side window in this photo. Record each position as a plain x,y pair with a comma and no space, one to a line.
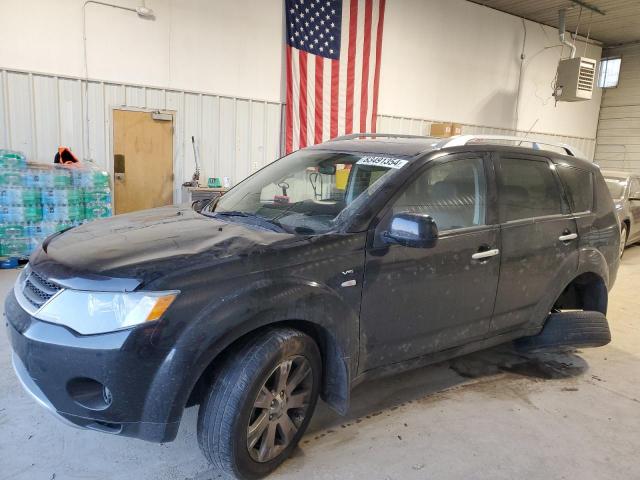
527,189
578,184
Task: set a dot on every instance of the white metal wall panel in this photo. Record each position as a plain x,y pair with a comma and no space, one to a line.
20,117
273,133
47,120
415,126
175,102
135,97
236,136
618,139
242,140
192,127
257,131
4,111
155,98
227,147
210,144
72,116
98,135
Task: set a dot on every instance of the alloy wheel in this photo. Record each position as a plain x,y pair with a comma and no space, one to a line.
623,240
280,408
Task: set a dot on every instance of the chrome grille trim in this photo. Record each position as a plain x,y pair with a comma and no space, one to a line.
32,291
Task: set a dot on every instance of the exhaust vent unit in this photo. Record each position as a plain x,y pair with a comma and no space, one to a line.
576,77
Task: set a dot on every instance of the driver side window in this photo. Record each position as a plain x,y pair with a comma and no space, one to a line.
454,194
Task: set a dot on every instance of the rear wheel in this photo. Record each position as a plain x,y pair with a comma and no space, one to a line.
567,330
623,239
260,403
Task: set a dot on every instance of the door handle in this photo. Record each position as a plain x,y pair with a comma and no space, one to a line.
568,237
485,254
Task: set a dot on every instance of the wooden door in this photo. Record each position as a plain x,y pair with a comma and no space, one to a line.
143,160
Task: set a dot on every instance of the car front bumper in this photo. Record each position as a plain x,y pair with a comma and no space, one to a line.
61,371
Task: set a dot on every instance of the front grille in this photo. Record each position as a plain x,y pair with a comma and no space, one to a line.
37,289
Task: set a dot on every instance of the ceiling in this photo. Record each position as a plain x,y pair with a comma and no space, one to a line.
619,24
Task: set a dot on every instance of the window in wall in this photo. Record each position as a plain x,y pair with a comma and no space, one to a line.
609,72
578,185
527,189
453,194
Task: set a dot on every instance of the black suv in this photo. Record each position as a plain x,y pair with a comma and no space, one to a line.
355,258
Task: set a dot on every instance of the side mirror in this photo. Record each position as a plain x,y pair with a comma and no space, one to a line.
199,205
412,230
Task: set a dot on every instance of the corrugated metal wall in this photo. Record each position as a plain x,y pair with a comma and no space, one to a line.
414,126
236,136
39,112
618,139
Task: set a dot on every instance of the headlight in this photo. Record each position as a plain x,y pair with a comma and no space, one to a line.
100,312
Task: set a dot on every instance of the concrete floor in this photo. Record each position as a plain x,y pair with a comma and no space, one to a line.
546,417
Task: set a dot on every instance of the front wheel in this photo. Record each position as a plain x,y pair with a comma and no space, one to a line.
260,403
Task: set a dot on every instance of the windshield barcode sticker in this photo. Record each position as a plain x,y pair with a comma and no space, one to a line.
386,162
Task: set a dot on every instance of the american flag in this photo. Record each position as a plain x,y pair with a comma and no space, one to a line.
333,50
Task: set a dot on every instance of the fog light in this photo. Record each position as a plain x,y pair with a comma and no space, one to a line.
106,396
89,393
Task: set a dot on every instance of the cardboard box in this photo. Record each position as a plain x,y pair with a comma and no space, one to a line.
445,129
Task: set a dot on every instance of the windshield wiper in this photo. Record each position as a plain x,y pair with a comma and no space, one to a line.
262,221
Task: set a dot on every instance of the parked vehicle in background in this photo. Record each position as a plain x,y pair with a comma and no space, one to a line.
625,191
349,260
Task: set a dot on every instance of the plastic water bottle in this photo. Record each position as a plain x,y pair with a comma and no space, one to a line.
12,160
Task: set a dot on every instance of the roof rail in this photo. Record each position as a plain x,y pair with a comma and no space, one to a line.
380,135
460,140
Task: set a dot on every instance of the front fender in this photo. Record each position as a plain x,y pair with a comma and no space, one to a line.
248,304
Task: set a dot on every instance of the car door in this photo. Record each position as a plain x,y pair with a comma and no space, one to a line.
418,301
634,209
539,239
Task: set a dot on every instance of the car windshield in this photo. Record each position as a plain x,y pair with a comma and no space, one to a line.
616,186
307,192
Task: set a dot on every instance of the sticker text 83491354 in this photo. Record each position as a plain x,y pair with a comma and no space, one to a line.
386,162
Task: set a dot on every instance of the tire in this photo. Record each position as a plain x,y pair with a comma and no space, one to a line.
563,330
241,384
623,238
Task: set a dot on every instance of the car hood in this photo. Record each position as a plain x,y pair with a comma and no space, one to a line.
150,242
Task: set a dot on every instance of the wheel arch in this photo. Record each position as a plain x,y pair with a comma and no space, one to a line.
335,386
587,291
